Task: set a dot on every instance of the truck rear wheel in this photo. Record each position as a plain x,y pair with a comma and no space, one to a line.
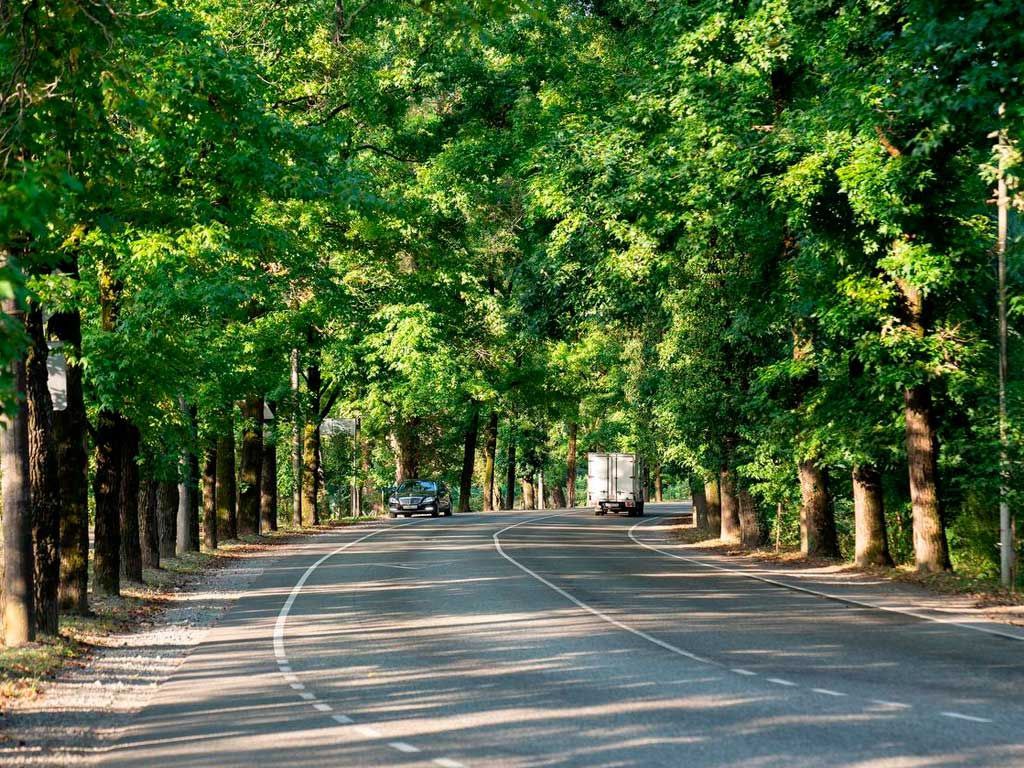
600,512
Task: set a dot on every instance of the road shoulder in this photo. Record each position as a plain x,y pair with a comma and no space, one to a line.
836,581
94,696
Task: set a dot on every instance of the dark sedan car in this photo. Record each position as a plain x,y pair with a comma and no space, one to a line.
420,497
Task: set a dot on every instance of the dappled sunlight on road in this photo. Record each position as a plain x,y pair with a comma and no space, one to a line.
425,635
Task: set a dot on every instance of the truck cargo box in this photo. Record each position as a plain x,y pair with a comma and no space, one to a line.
615,483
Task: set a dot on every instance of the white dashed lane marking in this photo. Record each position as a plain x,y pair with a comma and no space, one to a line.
968,718
401,746
744,672
370,731
828,692
780,681
444,762
320,707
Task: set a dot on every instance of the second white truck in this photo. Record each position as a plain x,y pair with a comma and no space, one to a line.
615,483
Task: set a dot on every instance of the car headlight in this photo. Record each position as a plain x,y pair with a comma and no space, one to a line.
393,500
428,500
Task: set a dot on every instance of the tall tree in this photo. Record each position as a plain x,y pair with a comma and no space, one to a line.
252,462
44,479
490,450
71,444
468,458
19,624
226,487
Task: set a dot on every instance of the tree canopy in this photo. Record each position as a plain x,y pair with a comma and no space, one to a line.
754,243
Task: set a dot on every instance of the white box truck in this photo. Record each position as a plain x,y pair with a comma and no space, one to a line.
615,483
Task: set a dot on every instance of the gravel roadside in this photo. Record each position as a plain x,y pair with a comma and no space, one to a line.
92,699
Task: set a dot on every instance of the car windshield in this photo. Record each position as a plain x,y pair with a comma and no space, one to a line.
417,486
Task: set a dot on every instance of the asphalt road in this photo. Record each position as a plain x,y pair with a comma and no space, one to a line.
535,639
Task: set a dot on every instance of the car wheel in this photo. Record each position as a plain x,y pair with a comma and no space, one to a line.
408,514
448,512
600,512
433,514
394,514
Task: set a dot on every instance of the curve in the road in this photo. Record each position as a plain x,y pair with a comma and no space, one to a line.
693,656
588,608
293,681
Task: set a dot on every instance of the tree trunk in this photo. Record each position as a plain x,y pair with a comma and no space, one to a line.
468,458
714,499
817,521
510,475
227,491
114,438
188,490
557,497
149,525
69,436
700,506
529,493
931,551
730,528
491,501
268,487
871,540
298,430
311,481
369,491
128,505
210,498
195,499
404,442
44,480
751,531
570,465
110,428
659,496
18,593
930,548
252,463
167,516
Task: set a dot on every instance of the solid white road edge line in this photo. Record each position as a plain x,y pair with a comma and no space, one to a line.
282,617
282,659
589,609
816,593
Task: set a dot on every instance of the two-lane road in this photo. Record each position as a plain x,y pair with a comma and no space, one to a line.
535,639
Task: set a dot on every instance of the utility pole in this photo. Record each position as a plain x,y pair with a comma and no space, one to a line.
1007,525
540,489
